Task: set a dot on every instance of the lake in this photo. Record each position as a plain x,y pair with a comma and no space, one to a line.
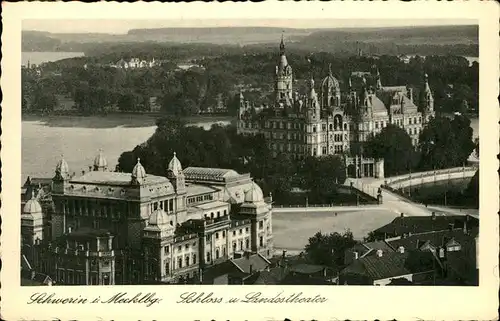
45,139
37,57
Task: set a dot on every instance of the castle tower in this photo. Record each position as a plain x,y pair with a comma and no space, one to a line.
427,101
100,162
157,241
284,79
260,214
176,175
313,122
330,91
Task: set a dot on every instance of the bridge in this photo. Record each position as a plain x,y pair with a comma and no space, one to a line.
401,204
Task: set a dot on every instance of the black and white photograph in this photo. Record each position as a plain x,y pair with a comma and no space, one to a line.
250,161
250,155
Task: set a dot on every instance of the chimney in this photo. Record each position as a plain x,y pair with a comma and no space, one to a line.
465,230
355,255
90,168
251,268
402,214
433,216
401,249
33,274
83,173
380,253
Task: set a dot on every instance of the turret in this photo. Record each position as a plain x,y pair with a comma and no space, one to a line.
61,177
100,162
313,107
176,175
138,173
284,78
379,81
426,100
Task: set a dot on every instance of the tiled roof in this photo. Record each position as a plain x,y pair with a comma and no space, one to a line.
115,178
435,238
209,173
307,268
378,106
420,224
257,262
271,277
390,264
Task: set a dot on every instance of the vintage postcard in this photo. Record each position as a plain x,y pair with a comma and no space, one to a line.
250,161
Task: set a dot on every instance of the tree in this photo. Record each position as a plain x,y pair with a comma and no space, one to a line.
446,143
394,145
329,249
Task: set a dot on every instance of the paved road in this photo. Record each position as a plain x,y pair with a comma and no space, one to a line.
395,202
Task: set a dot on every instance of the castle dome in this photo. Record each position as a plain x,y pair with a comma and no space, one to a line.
158,218
138,173
32,206
254,194
175,165
100,162
330,81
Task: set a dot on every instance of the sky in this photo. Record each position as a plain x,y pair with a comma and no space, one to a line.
122,26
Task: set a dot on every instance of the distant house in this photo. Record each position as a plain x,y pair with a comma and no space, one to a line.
447,257
382,268
236,271
407,225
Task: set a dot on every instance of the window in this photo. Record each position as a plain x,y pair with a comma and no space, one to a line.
186,246
179,248
241,231
216,254
212,215
194,258
179,262
208,256
223,251
331,127
234,246
247,243
324,150
234,233
225,212
217,236
376,124
223,234
261,241
409,121
246,229
207,238
167,249
314,129
261,224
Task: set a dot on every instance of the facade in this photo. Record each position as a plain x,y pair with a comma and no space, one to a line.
330,121
135,228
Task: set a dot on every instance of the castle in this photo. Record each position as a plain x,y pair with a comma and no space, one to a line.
108,228
333,122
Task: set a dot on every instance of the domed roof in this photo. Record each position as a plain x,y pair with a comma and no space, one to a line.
32,206
100,161
62,167
329,81
175,165
254,194
139,173
158,218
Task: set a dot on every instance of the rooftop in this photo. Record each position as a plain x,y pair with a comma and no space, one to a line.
195,189
420,224
212,204
215,174
114,178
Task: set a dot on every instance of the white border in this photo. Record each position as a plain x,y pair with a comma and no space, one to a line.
401,303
